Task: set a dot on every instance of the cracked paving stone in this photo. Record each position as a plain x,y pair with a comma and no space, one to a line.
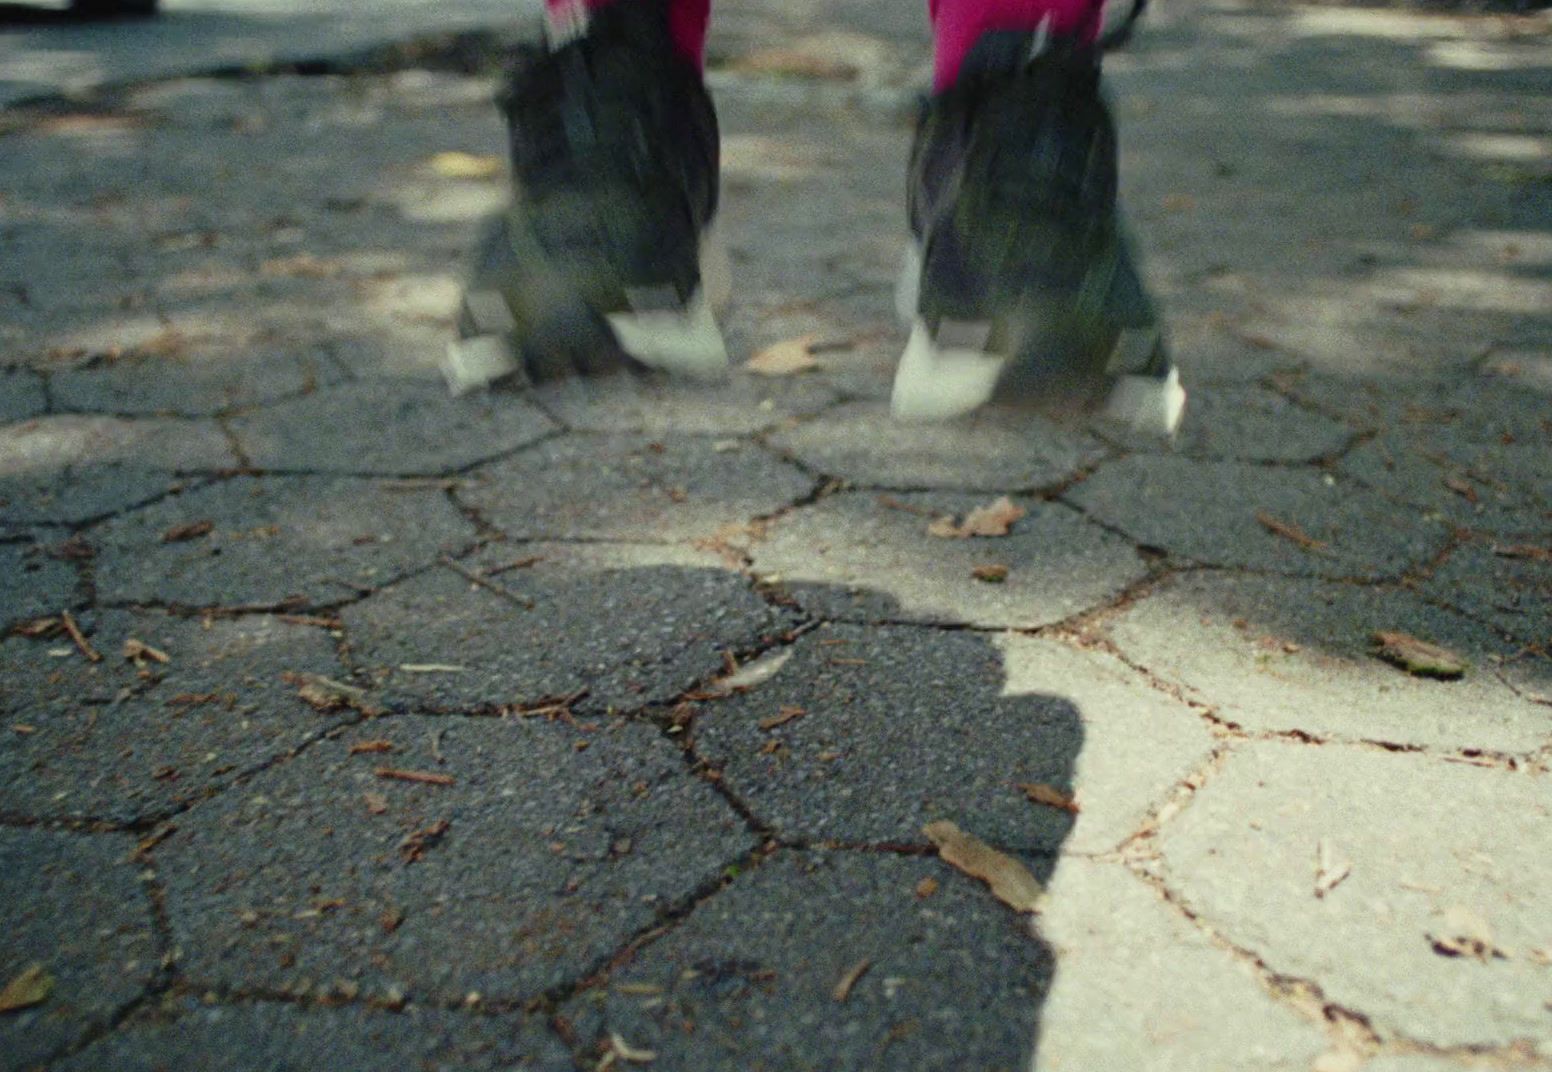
387,427
1209,512
1296,654
200,383
1501,582
35,582
21,395
183,1035
1493,487
1232,421
337,537
864,555
562,839
1429,843
743,405
748,979
121,741
1114,941
74,905
70,469
867,734
994,450
631,487
630,625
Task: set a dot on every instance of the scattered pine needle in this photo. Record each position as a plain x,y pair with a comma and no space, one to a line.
1290,532
853,974
91,653
419,777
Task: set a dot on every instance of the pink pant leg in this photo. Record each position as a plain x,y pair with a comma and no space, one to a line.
957,24
687,21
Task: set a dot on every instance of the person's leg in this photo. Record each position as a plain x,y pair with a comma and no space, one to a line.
598,262
687,21
1021,281
958,24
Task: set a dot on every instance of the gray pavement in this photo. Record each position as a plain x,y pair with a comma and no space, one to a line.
346,725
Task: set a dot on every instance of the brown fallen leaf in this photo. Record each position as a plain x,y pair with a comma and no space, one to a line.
456,165
1328,873
1290,532
368,747
990,573
1010,881
1523,550
1462,487
1418,657
1050,796
926,888
786,358
420,777
79,638
1466,934
781,718
843,988
413,847
327,695
190,530
994,519
138,651
31,987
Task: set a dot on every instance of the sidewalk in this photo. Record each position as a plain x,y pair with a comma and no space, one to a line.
341,717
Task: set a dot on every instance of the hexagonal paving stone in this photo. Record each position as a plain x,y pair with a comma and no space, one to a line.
1441,854
865,735
993,450
560,842
624,625
121,740
74,906
863,555
1249,424
212,379
71,469
387,427
1298,521
742,405
1505,583
34,581
631,488
275,539
1114,939
952,980
185,1036
21,395
1297,654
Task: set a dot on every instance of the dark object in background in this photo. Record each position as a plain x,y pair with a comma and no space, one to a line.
113,8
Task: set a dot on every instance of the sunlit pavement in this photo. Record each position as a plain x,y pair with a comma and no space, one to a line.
345,723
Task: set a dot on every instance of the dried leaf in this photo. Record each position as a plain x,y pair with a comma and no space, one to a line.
456,165
1010,881
752,675
31,987
782,717
785,358
190,530
994,519
1466,934
138,651
420,777
990,573
926,888
325,694
843,988
1291,532
1050,796
413,847
626,1052
1418,657
1328,873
